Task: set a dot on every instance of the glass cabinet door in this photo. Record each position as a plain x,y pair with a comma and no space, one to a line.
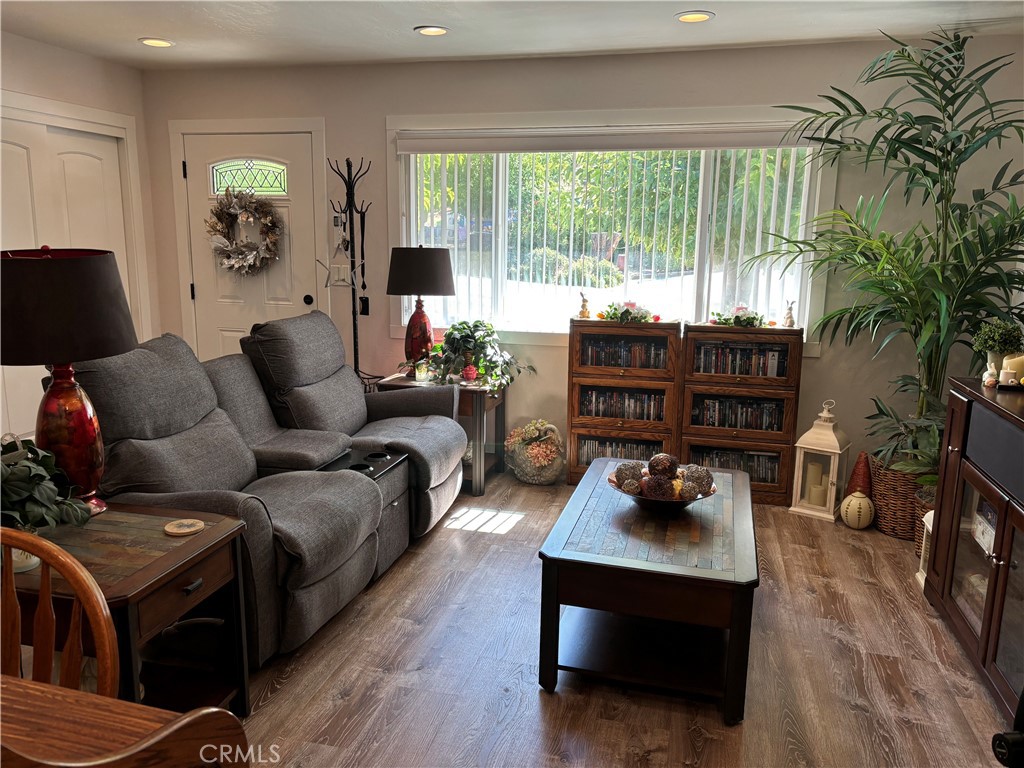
1007,656
974,544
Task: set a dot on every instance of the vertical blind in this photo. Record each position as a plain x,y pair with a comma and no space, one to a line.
673,230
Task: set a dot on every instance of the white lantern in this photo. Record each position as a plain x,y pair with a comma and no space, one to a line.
821,457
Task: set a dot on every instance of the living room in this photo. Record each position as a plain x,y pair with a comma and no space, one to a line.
436,663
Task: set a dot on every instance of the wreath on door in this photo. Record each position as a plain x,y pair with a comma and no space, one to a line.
244,256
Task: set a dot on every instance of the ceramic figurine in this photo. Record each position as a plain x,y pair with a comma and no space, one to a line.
788,321
990,377
584,311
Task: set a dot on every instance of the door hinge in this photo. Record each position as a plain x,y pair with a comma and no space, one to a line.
192,290
184,170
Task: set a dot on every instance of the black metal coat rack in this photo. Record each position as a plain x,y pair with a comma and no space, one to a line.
348,213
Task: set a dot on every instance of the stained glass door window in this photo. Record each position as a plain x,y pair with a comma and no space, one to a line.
260,177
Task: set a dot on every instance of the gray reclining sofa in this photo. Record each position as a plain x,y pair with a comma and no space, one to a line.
183,434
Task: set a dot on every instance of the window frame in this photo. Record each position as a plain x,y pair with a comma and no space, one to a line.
681,128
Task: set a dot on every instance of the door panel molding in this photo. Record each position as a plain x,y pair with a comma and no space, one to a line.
61,114
178,129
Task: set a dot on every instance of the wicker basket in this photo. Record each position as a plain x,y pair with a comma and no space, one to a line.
894,494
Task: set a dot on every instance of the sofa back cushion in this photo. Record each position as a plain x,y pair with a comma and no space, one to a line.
209,456
241,395
157,389
161,426
301,364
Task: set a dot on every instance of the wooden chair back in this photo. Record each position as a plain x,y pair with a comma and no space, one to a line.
88,599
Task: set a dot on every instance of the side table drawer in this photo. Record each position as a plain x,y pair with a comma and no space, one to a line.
183,592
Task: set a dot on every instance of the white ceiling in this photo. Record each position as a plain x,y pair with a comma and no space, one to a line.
302,32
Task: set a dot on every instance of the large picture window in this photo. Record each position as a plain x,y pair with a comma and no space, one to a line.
670,229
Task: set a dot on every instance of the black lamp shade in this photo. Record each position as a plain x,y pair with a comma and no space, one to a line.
60,306
421,272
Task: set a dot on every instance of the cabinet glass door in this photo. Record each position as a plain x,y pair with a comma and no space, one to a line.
1008,660
975,541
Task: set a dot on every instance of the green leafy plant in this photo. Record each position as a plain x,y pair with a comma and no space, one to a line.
999,336
628,312
959,264
33,490
741,317
476,343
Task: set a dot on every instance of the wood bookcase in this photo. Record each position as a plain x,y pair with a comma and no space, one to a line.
623,391
740,391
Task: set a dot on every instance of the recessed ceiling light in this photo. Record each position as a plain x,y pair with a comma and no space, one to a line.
155,42
431,30
695,17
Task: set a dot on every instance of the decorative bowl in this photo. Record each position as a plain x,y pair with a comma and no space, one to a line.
660,505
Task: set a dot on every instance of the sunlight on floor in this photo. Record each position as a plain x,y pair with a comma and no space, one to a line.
483,520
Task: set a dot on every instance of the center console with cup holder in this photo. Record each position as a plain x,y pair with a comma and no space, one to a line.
390,470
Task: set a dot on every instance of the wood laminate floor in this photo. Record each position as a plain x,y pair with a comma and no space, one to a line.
436,664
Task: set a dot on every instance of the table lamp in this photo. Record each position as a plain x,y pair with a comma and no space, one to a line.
420,272
58,306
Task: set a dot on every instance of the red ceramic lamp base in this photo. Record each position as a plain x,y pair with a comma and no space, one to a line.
67,427
419,335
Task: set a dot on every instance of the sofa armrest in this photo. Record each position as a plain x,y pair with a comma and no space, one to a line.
259,572
421,401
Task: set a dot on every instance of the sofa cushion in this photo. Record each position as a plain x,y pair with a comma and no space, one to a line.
319,519
156,390
435,444
336,404
296,351
210,456
300,449
240,393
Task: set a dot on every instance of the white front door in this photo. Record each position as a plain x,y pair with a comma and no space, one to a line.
60,188
227,304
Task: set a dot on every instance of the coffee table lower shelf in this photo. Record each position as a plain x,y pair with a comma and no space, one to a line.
642,651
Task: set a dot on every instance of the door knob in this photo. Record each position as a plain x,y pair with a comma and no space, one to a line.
307,299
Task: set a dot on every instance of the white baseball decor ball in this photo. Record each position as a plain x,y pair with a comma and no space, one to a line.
857,510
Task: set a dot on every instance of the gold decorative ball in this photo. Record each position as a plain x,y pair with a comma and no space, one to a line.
857,510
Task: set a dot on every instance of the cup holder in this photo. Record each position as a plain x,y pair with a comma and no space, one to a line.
361,467
378,456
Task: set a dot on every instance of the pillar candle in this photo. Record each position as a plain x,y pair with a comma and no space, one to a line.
813,476
1005,375
1014,362
817,495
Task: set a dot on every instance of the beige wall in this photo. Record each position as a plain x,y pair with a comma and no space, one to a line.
37,69
356,100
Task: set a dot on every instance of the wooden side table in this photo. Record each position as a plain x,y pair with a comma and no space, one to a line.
151,582
474,403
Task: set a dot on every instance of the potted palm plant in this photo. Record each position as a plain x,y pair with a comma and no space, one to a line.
960,263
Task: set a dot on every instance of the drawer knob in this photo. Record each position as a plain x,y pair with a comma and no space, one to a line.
953,449
622,373
194,587
619,424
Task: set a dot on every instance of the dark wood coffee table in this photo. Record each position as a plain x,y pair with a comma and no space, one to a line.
652,598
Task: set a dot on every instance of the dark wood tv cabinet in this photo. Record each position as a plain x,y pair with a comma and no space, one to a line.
975,572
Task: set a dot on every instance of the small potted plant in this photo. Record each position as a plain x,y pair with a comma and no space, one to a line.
997,338
473,348
534,452
34,492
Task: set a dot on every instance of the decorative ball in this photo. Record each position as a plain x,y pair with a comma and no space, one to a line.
632,487
660,487
631,470
857,510
663,464
469,373
689,490
701,477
